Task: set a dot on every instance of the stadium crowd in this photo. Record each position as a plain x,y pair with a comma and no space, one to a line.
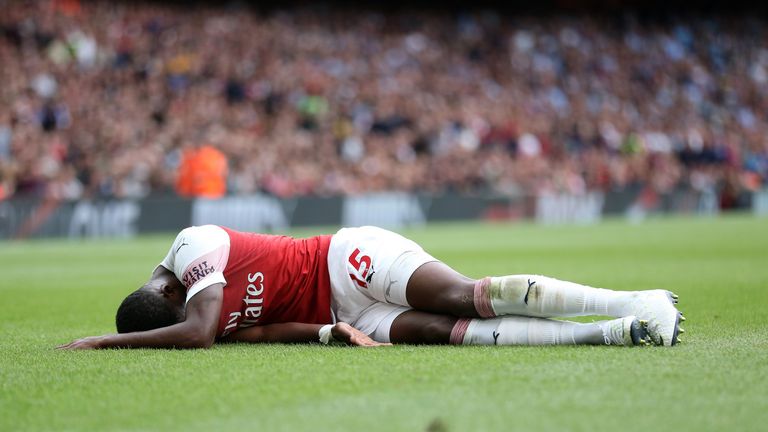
123,99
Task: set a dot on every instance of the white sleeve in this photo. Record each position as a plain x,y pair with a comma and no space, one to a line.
198,257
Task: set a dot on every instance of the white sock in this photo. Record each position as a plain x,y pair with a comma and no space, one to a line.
541,296
517,330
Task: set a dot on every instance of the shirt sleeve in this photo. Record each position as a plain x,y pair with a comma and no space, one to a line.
198,257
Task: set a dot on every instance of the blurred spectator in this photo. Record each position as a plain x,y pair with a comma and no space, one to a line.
202,173
99,99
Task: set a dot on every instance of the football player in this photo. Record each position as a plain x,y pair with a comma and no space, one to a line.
364,286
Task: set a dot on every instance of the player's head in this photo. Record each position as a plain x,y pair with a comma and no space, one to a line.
159,303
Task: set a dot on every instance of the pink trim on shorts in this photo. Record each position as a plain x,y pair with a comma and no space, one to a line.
458,331
483,298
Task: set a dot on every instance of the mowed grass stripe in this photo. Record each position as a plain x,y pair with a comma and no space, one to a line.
53,291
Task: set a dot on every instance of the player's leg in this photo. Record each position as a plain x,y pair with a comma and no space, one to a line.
384,266
435,287
534,295
417,327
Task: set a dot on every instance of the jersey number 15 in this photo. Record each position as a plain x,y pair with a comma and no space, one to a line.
362,264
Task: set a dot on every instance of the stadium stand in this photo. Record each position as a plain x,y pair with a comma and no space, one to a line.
103,99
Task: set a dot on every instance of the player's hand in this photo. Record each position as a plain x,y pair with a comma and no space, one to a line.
346,333
91,342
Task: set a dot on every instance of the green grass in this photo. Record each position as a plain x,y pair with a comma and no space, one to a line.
54,291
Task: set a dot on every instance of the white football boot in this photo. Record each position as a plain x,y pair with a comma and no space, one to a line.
627,331
657,307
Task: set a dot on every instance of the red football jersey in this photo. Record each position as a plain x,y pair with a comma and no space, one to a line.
268,278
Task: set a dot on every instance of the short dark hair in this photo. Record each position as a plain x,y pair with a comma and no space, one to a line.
142,311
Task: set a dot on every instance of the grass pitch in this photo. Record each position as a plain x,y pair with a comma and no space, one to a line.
54,291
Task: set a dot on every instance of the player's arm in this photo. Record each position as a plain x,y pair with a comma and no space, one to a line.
198,330
300,333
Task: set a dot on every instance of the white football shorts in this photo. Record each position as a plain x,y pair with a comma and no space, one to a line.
369,269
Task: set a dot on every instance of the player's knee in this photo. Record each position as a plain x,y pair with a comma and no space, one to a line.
438,330
458,298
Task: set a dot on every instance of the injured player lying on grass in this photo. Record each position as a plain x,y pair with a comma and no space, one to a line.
364,286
